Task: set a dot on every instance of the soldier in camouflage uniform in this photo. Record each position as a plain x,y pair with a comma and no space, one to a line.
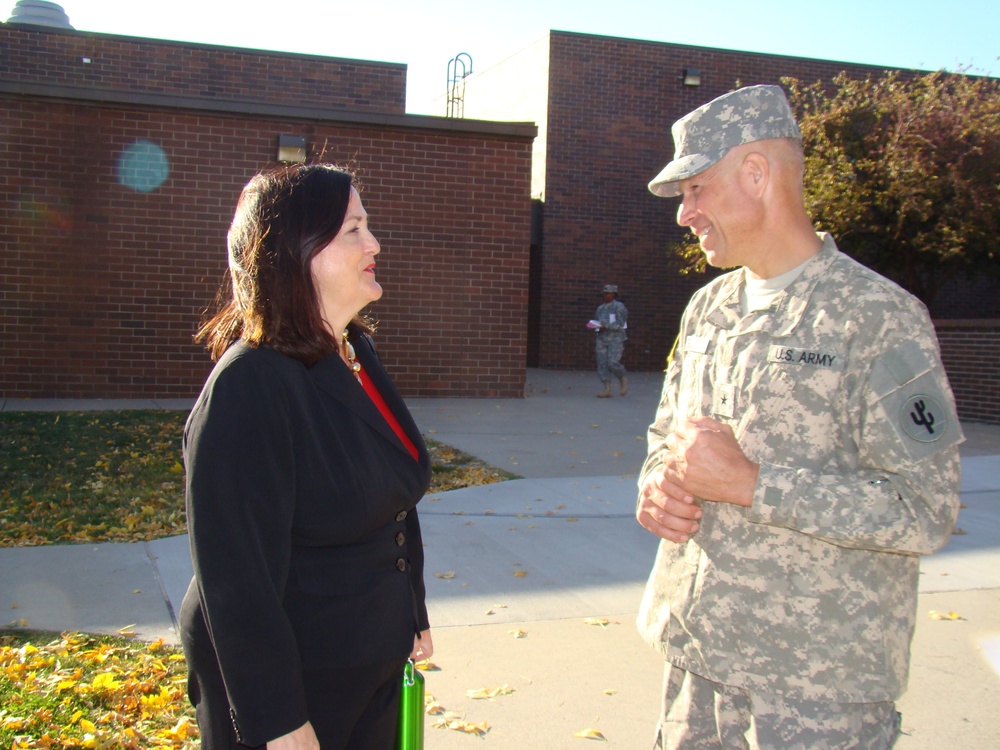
804,455
612,317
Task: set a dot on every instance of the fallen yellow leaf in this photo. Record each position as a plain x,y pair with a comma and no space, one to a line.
104,681
518,633
935,615
460,725
448,575
602,621
488,693
589,734
520,573
431,706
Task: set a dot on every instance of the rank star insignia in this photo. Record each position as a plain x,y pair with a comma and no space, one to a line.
725,401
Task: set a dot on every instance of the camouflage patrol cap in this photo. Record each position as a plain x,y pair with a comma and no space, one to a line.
610,289
704,136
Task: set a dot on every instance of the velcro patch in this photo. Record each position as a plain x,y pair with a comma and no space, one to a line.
917,412
696,344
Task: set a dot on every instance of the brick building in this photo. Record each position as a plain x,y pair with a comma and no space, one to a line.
103,284
604,107
122,162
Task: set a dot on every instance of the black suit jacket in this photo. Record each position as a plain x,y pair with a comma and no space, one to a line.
304,535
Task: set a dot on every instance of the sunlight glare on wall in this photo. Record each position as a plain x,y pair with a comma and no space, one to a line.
143,166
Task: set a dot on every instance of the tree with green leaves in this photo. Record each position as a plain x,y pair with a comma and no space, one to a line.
905,173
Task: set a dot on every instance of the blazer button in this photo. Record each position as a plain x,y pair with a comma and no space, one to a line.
401,515
401,565
400,539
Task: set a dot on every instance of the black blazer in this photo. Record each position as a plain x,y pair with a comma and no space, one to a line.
304,535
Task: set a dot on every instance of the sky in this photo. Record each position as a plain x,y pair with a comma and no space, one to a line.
427,34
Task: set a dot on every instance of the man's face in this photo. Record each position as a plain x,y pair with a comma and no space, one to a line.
715,207
609,296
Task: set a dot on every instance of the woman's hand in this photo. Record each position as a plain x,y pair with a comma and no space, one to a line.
303,738
423,646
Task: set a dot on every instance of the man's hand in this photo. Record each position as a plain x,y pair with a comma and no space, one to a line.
705,460
666,510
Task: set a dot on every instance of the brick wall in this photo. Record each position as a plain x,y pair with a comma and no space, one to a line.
61,58
103,285
611,104
970,350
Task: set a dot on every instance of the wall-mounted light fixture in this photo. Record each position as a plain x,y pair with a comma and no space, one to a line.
291,149
692,77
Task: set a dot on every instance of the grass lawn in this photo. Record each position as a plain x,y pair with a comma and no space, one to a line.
83,477
117,476
73,691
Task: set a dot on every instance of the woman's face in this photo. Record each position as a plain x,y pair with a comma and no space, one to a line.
344,270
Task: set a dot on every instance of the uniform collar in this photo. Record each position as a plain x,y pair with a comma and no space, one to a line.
788,308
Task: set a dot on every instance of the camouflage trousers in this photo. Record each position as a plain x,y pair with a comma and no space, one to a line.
609,354
699,714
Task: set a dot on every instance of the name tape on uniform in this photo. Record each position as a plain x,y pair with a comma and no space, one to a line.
792,356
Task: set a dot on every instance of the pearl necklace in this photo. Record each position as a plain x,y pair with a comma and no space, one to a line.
349,354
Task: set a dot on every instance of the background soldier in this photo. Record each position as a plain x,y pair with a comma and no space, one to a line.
612,322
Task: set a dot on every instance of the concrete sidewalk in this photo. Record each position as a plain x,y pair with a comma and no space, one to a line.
556,558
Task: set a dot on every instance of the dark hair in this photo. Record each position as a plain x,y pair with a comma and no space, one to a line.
284,217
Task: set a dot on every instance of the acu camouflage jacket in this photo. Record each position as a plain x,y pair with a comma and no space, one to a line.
838,392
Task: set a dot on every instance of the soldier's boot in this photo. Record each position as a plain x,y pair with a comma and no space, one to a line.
606,393
624,388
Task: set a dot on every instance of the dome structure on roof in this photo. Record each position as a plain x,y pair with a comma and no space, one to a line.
39,13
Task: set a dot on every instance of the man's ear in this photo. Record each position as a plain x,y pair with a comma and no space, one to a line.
757,171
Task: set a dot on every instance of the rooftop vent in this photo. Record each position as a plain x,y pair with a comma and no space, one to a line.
39,13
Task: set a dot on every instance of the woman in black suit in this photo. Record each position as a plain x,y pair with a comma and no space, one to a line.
304,468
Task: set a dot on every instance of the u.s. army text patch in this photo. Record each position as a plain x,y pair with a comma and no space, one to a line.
787,355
